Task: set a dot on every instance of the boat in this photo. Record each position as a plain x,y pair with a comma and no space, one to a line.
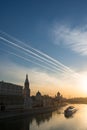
70,111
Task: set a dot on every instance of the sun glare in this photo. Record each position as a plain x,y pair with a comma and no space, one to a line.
84,84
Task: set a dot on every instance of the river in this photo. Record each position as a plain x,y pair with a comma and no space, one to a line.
49,121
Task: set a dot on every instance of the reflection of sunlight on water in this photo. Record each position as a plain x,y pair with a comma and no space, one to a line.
81,117
59,122
51,121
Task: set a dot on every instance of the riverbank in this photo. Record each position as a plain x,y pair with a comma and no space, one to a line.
27,112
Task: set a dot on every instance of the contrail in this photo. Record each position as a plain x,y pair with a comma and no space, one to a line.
26,59
62,66
52,60
31,55
53,67
40,58
26,50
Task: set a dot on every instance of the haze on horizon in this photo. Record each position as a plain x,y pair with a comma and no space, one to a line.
48,41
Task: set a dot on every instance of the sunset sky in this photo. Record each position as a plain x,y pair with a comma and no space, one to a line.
46,39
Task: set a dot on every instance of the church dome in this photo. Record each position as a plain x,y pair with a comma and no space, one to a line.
38,94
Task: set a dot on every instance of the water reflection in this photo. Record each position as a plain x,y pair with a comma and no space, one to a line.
68,116
24,123
42,118
49,121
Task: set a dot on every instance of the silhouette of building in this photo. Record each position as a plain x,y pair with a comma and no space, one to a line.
39,99
27,99
26,87
11,96
47,101
59,97
38,96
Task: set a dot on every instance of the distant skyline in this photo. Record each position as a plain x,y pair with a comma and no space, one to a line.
47,40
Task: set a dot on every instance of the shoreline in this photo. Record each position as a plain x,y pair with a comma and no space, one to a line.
28,112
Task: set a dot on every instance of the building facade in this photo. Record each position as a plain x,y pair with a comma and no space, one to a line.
11,95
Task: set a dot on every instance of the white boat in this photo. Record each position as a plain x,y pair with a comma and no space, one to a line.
69,111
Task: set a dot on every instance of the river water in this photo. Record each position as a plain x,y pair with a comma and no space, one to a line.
49,121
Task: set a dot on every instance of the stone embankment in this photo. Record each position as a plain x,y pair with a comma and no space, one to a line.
27,112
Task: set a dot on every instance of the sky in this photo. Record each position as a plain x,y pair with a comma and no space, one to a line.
47,40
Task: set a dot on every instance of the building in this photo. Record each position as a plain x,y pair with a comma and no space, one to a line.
38,96
39,99
14,97
59,97
27,98
11,95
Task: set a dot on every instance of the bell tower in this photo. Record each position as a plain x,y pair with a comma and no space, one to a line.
26,87
27,98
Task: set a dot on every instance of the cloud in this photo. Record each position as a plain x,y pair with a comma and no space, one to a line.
39,80
73,38
46,83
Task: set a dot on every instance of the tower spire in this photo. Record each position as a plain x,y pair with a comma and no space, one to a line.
26,86
26,76
26,92
26,81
